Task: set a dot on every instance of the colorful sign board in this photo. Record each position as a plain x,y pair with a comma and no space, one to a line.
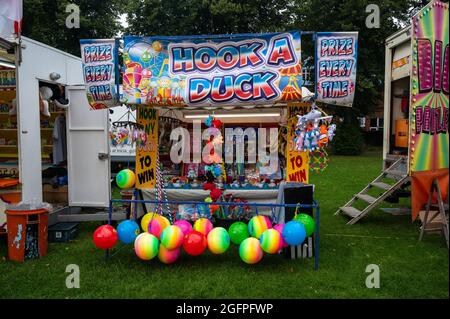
99,63
429,88
214,71
146,155
336,57
297,162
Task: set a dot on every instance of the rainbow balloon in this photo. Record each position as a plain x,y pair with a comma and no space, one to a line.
157,225
250,250
279,228
172,237
146,246
125,178
203,225
168,256
185,226
271,241
258,224
218,240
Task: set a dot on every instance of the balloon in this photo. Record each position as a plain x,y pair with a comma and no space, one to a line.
168,256
157,46
250,251
271,241
185,226
194,243
146,246
217,171
172,237
215,194
203,225
238,231
280,227
258,224
308,222
158,223
294,233
125,178
128,230
218,240
105,237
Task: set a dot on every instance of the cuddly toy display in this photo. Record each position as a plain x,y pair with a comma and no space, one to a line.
313,132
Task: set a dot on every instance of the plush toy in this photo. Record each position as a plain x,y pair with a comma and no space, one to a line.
208,186
323,137
331,131
45,94
215,194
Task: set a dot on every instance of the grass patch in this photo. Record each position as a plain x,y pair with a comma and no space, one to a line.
408,268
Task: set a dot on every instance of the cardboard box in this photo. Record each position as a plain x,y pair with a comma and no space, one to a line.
59,194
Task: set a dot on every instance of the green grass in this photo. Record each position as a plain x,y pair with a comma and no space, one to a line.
408,268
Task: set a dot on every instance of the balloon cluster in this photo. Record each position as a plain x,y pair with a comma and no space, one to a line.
160,238
213,170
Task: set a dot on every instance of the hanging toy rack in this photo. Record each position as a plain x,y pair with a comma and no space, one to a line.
128,123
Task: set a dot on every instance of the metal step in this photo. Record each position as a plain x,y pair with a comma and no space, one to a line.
395,172
381,185
350,211
367,198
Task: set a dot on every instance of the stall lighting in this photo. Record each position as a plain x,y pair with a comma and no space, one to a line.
231,115
7,64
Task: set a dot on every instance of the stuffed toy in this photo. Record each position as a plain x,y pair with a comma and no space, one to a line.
45,94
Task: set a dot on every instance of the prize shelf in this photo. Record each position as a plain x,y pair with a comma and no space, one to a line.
11,151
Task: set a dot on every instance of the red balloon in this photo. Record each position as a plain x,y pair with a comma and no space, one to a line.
194,243
105,237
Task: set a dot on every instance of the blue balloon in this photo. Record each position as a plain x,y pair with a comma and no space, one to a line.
294,233
128,230
217,171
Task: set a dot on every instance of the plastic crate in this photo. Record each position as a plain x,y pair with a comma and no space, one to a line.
62,232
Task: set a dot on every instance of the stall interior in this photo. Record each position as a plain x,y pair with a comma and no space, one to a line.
53,144
248,175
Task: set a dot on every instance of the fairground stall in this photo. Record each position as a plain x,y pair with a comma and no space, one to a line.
225,131
415,147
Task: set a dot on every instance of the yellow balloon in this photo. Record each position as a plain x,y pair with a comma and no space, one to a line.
157,46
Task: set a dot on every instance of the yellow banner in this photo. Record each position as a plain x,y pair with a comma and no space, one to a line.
297,162
146,154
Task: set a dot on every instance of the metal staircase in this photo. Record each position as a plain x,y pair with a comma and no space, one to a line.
397,172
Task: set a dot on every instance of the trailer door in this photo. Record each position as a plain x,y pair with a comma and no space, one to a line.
88,152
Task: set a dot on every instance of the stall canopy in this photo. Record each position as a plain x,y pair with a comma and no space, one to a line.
218,71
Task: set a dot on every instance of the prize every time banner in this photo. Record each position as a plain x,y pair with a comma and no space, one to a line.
240,70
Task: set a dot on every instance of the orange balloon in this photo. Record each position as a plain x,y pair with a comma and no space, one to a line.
157,46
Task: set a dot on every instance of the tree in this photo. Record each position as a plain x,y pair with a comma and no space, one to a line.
171,17
350,15
45,21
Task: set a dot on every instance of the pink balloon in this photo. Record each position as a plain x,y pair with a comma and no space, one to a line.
279,228
185,226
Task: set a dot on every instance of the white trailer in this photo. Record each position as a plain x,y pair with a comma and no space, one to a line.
88,160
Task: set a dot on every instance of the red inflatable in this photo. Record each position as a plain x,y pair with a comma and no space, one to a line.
194,243
105,237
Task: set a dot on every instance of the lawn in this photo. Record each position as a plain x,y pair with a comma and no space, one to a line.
408,268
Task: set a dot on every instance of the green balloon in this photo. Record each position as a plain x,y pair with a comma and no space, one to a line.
308,222
238,231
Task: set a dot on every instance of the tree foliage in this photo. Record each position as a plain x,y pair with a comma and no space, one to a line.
44,20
